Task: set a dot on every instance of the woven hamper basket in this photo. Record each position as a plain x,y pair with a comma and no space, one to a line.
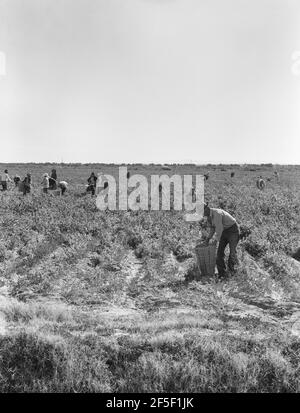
206,259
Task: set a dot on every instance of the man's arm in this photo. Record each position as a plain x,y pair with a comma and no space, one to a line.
211,234
219,225
212,230
216,226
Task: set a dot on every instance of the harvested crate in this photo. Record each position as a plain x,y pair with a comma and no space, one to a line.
206,259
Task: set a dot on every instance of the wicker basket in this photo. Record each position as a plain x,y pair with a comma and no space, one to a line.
206,259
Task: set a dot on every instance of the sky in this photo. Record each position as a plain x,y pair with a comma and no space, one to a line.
204,81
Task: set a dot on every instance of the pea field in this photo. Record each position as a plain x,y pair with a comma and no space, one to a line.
112,301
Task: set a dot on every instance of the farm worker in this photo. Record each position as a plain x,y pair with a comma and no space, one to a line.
53,179
227,232
63,186
276,175
92,181
260,183
17,180
27,182
54,174
4,180
45,183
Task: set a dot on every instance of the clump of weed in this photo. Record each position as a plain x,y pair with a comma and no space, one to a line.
32,363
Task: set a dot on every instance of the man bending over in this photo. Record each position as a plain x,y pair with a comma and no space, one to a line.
227,232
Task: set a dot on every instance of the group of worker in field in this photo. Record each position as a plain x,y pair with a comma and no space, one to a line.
49,182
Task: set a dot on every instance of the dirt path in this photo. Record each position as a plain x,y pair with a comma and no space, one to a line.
131,267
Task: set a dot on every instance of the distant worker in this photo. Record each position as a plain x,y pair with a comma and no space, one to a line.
206,176
227,232
17,180
260,183
45,183
232,174
4,180
26,184
92,182
53,180
276,174
63,186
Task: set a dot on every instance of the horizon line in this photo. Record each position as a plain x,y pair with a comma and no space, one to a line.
152,163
